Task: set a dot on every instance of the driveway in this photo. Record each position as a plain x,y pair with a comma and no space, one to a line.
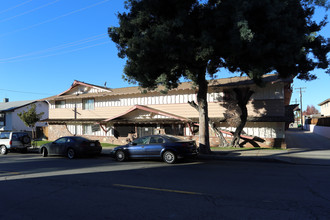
301,139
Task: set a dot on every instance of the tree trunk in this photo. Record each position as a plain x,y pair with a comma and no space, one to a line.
242,96
204,137
223,141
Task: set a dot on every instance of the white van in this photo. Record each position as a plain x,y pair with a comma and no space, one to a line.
14,140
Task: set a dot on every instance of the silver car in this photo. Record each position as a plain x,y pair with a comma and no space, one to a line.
13,140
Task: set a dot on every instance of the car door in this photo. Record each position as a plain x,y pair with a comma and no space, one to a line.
137,147
58,147
155,146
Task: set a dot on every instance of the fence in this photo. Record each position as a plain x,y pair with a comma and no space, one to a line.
319,126
319,121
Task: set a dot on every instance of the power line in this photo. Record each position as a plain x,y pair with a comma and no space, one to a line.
60,53
56,18
7,90
16,6
29,11
59,47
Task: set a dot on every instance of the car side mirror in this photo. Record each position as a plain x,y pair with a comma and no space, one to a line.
134,144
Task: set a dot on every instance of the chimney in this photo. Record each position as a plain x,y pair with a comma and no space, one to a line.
6,100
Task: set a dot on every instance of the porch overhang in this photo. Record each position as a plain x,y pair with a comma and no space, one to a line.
167,117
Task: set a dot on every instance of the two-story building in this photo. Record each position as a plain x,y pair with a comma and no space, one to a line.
115,115
325,107
10,121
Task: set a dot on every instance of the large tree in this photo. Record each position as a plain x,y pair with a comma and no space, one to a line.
165,41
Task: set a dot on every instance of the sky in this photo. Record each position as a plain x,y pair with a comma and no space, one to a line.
47,44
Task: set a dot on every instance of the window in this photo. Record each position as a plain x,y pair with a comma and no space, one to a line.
143,140
87,129
60,104
88,104
61,141
4,135
156,140
2,119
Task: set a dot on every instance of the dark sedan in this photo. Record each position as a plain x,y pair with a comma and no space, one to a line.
163,147
71,146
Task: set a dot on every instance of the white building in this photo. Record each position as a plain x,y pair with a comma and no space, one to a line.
325,107
10,121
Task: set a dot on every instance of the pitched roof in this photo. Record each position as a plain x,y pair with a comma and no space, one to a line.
77,83
11,106
225,82
325,101
148,109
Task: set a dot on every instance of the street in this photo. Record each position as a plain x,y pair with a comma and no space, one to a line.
33,187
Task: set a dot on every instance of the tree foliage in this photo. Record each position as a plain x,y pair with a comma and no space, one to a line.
165,41
311,110
30,117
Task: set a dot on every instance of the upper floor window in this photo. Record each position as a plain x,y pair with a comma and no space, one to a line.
88,104
60,104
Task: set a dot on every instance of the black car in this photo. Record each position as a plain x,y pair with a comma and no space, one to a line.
71,146
163,147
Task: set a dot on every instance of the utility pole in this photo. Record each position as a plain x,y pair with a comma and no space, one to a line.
301,116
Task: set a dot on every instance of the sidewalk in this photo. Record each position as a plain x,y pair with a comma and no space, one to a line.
294,156
304,147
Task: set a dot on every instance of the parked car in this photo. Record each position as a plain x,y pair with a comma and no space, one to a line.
14,140
71,146
165,147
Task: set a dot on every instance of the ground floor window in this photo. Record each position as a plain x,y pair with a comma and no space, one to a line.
87,129
149,129
174,129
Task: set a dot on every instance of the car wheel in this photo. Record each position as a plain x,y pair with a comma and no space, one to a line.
71,153
169,157
44,152
26,140
120,156
3,150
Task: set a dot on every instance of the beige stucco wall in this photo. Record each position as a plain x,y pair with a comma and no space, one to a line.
256,108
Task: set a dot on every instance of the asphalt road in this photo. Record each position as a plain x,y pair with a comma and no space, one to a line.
32,187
